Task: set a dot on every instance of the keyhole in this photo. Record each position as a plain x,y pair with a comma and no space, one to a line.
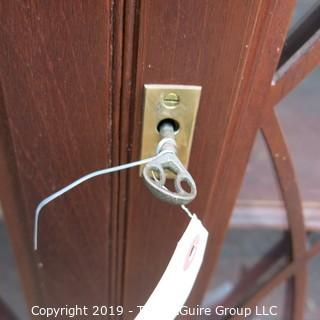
175,124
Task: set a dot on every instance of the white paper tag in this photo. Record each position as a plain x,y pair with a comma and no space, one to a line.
176,283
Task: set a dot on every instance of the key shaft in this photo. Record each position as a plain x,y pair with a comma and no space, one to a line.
155,172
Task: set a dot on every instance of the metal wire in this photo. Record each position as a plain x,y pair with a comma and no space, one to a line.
72,185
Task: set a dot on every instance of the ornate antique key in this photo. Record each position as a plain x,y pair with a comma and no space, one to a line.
155,172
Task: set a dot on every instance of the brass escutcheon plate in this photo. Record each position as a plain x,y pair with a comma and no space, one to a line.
165,101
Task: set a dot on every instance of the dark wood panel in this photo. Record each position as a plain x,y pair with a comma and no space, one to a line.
222,57
55,70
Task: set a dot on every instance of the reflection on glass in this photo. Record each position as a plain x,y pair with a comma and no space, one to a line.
273,306
302,8
249,258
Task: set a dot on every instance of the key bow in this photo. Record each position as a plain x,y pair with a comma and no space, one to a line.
155,176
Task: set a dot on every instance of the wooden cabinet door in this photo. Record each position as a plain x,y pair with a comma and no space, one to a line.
72,76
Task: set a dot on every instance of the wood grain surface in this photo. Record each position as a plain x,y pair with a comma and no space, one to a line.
222,57
72,76
55,69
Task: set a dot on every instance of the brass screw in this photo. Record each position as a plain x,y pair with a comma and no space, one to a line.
171,100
